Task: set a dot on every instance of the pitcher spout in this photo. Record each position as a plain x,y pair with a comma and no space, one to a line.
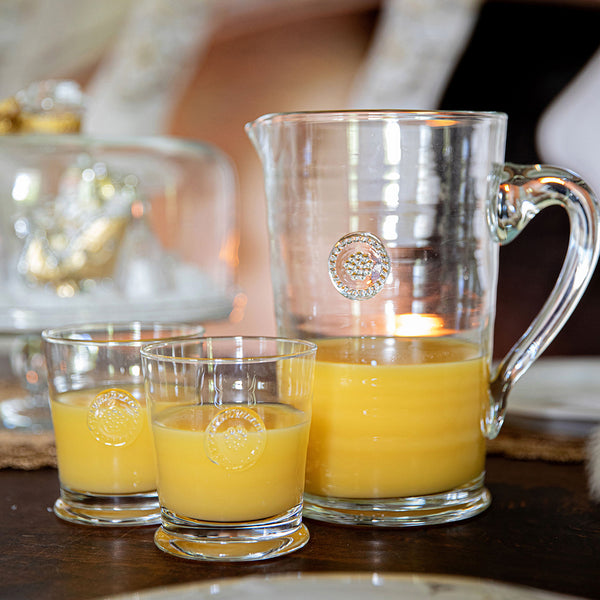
260,132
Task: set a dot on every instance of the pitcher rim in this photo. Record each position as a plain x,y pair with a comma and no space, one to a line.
332,116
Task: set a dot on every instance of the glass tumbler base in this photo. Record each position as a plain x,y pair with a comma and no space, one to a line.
108,511
230,550
455,505
231,542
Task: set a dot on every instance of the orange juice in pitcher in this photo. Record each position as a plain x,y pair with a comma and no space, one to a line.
396,417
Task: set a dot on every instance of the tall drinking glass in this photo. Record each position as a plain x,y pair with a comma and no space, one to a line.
385,229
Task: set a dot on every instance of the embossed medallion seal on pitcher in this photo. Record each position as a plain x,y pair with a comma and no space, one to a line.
359,265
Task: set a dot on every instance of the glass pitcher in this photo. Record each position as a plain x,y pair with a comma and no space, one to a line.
385,230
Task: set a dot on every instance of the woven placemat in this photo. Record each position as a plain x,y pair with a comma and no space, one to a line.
20,449
27,450
522,444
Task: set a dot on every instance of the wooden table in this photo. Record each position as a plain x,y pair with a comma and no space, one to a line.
542,530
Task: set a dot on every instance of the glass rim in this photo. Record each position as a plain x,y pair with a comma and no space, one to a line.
342,116
305,348
65,334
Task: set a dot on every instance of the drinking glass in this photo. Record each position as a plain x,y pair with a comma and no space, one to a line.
230,421
106,463
385,228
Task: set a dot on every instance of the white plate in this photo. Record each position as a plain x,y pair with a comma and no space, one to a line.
561,388
350,586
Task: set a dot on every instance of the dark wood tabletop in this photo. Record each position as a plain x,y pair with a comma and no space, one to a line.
542,530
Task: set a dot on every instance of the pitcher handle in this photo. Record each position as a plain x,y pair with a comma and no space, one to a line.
524,191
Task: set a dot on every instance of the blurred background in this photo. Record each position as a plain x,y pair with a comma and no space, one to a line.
201,69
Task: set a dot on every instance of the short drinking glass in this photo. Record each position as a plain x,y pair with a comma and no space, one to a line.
106,463
230,422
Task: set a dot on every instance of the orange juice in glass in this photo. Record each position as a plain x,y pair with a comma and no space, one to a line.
105,454
230,423
102,453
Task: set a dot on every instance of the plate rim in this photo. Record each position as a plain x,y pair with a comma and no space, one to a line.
557,411
350,576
